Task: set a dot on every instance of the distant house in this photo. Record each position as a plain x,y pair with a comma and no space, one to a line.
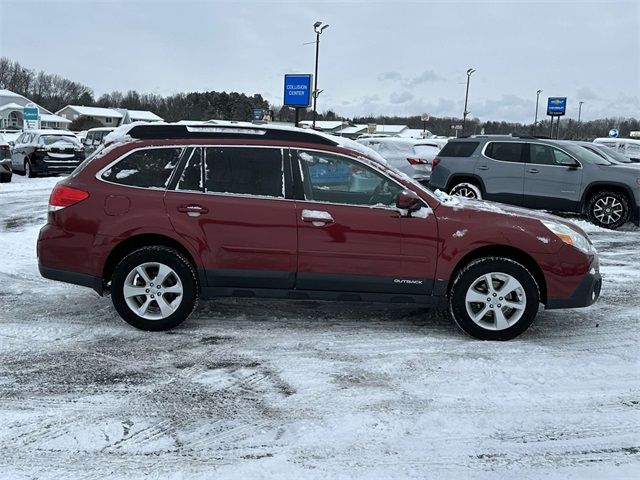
130,116
327,126
391,129
108,117
352,131
12,105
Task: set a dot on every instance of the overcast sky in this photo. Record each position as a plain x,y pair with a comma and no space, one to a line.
377,57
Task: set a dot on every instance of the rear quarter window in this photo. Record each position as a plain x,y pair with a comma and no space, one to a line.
148,168
459,149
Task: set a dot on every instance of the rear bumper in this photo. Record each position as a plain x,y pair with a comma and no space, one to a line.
75,278
586,294
54,166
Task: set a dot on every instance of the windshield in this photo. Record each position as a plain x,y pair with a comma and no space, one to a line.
610,152
583,153
51,139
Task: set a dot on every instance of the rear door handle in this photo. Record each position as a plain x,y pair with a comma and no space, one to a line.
193,210
483,167
317,218
533,170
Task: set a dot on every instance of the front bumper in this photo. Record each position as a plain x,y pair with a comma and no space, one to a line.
586,294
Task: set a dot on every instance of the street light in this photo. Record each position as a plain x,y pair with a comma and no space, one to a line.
579,110
535,122
466,98
318,27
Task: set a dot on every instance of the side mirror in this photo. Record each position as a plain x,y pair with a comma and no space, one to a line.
569,162
408,200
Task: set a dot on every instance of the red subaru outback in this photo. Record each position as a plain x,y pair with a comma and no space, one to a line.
169,213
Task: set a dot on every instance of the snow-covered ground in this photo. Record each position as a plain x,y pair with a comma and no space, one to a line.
309,390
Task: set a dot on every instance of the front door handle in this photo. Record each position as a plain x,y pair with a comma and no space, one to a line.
483,167
193,210
533,170
317,218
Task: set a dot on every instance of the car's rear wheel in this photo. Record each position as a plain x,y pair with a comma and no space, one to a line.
467,190
154,288
494,298
28,169
609,209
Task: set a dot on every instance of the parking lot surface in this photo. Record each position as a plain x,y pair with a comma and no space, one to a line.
257,389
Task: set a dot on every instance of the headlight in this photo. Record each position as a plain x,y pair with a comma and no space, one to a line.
569,236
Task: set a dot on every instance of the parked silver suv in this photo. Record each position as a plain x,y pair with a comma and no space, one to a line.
542,174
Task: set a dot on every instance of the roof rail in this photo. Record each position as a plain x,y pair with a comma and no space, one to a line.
227,130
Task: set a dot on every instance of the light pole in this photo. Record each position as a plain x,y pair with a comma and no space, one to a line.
579,110
535,122
318,27
466,98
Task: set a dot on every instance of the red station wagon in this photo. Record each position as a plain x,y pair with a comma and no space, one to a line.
168,213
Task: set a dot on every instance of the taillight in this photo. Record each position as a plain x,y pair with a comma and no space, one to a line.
63,196
435,162
417,161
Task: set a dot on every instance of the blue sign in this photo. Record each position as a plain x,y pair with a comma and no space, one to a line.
556,106
297,90
30,113
613,133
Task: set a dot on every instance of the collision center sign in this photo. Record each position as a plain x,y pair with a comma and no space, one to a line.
556,106
297,90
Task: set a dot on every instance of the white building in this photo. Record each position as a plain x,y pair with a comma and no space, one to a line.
108,117
11,106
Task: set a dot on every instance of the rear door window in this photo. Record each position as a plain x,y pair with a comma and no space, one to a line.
459,149
504,151
147,168
244,171
191,178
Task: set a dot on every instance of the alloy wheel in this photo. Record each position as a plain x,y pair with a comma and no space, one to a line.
608,210
495,301
153,291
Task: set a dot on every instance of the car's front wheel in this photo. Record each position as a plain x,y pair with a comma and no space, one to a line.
608,209
154,288
466,189
494,298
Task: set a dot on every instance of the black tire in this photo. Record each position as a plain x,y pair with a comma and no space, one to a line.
184,275
466,189
28,169
609,209
5,177
500,268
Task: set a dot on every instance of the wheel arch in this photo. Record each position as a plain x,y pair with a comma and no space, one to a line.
136,242
468,177
601,186
505,251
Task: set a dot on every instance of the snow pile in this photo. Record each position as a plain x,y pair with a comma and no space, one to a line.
448,200
460,233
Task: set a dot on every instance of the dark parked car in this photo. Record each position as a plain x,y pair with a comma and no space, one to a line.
5,160
552,175
170,213
46,152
